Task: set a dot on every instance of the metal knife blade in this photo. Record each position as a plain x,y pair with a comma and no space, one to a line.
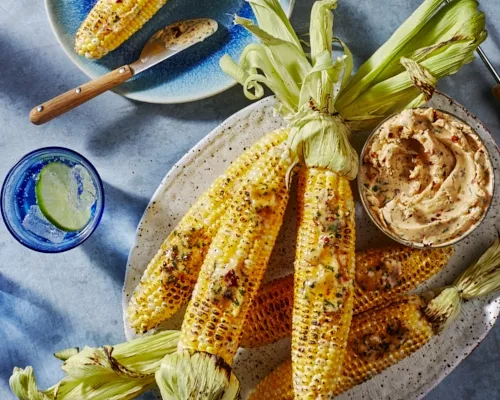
173,39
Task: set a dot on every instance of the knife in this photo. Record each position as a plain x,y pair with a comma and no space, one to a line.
496,89
164,44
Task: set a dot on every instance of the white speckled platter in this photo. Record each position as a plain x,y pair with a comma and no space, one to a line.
410,379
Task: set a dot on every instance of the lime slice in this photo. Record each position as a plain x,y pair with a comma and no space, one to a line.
56,200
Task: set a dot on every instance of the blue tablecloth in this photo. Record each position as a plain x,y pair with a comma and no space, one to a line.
50,302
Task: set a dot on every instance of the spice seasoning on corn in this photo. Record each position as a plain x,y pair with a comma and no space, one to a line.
169,279
381,337
381,276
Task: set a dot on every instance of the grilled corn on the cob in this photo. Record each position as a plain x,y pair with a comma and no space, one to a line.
236,261
229,278
378,339
381,337
324,272
169,279
306,88
381,275
112,22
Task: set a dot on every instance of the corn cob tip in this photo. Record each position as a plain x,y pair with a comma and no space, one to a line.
189,375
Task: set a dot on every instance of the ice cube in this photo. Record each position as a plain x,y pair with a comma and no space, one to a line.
36,223
82,189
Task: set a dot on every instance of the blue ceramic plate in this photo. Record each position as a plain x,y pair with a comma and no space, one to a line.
192,75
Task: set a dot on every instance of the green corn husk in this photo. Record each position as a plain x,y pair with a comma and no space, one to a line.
121,372
306,88
23,384
480,279
63,355
439,41
203,376
435,41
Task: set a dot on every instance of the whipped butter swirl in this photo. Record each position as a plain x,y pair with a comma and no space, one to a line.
426,177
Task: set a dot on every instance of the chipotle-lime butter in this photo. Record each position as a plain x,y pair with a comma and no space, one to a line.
426,177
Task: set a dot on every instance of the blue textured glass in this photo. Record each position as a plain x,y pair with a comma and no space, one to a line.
18,195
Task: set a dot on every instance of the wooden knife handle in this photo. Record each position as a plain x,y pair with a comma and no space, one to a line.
496,91
75,97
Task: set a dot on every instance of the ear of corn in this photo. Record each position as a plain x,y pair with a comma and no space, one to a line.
236,261
228,281
112,22
381,275
169,279
323,287
378,339
381,337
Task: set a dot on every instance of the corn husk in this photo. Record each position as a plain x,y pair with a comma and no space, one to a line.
480,279
306,87
438,41
120,372
435,41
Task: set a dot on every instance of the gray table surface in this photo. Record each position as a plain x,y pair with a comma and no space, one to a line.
50,302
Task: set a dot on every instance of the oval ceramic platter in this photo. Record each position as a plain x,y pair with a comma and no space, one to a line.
410,379
178,79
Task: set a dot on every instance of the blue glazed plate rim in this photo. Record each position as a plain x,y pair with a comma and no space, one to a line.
143,97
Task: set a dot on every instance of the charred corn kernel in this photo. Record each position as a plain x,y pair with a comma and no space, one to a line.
236,260
381,275
112,22
270,317
275,386
381,337
169,279
323,287
378,339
